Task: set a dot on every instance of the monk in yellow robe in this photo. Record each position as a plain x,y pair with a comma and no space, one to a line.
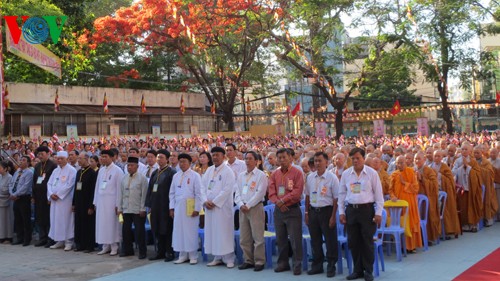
490,206
469,180
429,186
447,184
385,180
404,186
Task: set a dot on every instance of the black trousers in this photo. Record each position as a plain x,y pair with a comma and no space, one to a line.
84,229
140,233
22,218
288,225
42,216
360,231
319,229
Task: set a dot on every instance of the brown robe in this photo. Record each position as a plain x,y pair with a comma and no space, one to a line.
490,200
451,222
429,186
385,180
384,165
470,203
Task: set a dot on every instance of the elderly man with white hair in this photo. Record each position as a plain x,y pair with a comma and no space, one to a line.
60,195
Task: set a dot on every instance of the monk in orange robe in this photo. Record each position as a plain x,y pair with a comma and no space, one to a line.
404,186
429,186
385,180
447,184
490,206
469,180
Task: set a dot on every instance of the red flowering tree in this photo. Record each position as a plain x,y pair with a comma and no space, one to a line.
217,41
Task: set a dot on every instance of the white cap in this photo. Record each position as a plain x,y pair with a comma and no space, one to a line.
62,154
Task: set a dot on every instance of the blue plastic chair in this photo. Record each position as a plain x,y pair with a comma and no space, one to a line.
442,206
378,241
342,244
201,235
237,248
269,210
423,210
306,240
395,229
481,221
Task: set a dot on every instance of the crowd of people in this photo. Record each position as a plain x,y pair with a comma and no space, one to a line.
102,192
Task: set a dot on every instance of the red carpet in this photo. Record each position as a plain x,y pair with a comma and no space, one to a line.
486,269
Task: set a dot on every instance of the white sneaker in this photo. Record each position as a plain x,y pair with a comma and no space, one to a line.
179,261
193,261
230,264
104,250
113,253
214,263
57,245
68,247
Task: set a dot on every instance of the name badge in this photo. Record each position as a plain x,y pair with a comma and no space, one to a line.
356,188
245,189
39,180
103,185
211,185
323,191
253,185
281,190
79,185
155,187
314,197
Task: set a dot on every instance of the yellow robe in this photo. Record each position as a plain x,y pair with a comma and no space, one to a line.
451,222
429,186
408,192
385,180
490,206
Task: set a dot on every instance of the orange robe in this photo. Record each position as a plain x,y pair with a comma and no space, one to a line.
490,206
385,180
348,163
384,165
470,203
451,222
429,186
408,192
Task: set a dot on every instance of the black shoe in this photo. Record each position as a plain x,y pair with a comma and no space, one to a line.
315,271
26,244
169,257
368,276
40,243
126,254
281,268
18,242
49,243
88,251
354,275
157,257
78,249
297,270
142,256
245,266
258,267
330,270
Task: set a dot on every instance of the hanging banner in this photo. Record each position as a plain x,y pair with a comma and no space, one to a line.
466,122
156,131
35,54
320,129
114,130
378,127
71,132
35,132
422,126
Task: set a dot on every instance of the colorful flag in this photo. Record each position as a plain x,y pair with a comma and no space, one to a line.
497,99
6,103
212,107
143,105
183,108
296,109
249,108
396,108
105,104
56,101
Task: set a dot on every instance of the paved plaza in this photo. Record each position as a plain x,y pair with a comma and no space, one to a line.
442,262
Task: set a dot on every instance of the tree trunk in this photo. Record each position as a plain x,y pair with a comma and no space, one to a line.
228,119
446,110
339,125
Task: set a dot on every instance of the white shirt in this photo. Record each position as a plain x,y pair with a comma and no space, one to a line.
322,190
250,188
141,170
370,189
238,167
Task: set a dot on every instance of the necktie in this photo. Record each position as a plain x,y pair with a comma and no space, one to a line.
14,189
148,174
